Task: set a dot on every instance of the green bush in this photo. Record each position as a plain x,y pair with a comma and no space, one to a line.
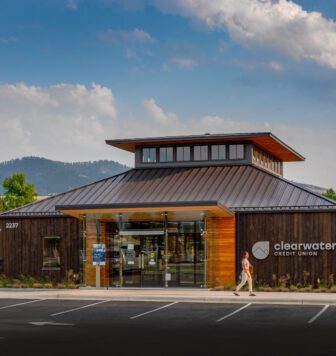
70,281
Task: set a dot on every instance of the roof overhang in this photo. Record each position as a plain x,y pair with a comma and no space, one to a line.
215,208
265,140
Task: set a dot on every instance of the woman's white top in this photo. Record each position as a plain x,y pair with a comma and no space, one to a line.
245,264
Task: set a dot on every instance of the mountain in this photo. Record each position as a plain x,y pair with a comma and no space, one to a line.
52,177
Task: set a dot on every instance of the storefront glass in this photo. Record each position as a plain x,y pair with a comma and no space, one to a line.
137,254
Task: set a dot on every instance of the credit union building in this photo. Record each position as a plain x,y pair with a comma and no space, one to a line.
180,218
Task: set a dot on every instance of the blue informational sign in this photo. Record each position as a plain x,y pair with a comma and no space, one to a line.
99,255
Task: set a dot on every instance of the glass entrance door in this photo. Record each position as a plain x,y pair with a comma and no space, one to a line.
185,260
152,251
138,261
137,257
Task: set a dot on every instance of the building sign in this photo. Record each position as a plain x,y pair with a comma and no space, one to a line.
99,255
261,249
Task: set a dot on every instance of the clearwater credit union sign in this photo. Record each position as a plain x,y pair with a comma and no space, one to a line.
262,249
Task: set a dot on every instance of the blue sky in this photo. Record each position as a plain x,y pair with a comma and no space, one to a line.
163,69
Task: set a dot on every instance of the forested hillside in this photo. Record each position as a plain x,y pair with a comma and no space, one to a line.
52,177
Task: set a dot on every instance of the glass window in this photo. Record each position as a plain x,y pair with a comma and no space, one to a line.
183,153
236,151
201,153
51,252
218,152
148,155
166,154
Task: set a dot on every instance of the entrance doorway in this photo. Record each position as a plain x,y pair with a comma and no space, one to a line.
137,258
186,260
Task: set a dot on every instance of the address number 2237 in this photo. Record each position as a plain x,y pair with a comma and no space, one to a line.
14,225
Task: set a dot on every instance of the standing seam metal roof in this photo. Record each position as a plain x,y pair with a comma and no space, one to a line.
235,187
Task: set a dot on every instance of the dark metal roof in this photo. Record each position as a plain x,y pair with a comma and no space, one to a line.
234,187
265,140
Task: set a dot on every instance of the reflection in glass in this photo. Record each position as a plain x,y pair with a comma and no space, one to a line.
237,152
166,154
218,152
183,153
137,254
201,153
51,252
149,155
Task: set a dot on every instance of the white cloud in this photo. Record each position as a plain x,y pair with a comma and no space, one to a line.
158,114
316,144
277,24
62,121
120,37
130,54
183,62
278,67
72,4
70,122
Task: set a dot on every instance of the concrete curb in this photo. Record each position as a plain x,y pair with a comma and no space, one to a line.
185,296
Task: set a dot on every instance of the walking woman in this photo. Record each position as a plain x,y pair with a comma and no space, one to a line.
245,275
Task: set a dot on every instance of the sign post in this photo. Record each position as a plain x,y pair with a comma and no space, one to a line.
98,259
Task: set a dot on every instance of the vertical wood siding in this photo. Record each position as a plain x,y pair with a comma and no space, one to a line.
221,252
21,249
90,269
294,228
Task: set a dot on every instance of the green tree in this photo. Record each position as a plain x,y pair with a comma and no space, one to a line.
17,191
2,204
330,193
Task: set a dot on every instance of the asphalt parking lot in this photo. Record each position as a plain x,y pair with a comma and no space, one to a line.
93,327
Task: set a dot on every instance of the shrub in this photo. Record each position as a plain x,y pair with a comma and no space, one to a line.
48,285
37,285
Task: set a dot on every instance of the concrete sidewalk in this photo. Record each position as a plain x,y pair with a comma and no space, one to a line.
168,295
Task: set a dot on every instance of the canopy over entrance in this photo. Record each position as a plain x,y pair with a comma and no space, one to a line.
150,212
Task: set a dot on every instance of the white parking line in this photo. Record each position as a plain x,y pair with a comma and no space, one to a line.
48,323
153,311
79,308
17,305
233,313
318,314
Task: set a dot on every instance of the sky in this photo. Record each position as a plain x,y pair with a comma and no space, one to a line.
76,72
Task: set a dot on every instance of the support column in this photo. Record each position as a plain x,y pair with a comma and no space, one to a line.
83,252
166,248
121,281
205,236
98,233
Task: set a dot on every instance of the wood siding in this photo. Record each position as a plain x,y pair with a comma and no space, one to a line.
221,252
21,248
90,269
294,228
